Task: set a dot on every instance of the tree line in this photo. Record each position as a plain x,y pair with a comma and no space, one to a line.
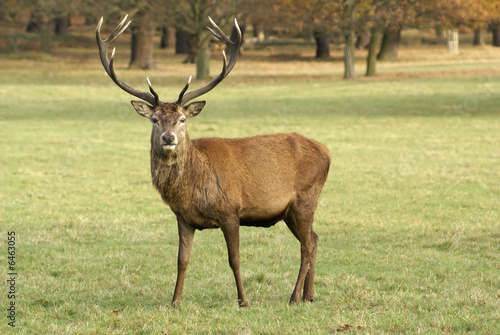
374,24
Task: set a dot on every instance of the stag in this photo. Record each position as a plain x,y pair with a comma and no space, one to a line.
227,183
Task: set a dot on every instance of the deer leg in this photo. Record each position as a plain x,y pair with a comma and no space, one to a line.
309,281
232,237
301,227
186,234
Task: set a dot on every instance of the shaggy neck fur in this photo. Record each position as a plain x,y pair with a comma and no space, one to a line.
167,167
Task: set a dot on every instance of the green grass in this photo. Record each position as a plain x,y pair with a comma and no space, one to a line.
408,220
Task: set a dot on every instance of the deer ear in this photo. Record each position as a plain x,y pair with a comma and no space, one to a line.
194,108
143,109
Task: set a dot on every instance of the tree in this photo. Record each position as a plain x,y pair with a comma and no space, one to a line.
143,16
142,44
456,14
373,47
493,19
167,37
390,43
182,42
62,23
478,40
319,18
322,38
261,15
393,15
192,16
370,11
43,14
376,17
350,39
324,17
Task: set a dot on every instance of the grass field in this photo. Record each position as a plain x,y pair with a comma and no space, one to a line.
408,221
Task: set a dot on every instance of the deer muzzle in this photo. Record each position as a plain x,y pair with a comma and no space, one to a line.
168,141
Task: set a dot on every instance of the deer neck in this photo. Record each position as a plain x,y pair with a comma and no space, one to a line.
169,169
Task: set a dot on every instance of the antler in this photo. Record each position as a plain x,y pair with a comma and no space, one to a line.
152,97
234,47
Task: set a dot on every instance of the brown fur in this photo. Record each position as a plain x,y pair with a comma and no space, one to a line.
225,183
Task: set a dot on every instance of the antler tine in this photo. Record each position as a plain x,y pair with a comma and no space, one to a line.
219,34
120,28
179,100
226,67
107,63
157,98
235,48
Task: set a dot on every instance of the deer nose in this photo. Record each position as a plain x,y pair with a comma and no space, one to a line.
167,140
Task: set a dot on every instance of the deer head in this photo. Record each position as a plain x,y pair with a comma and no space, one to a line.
169,119
169,133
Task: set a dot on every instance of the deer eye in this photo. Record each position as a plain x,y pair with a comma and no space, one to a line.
183,120
154,120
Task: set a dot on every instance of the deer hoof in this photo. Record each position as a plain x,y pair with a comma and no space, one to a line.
243,303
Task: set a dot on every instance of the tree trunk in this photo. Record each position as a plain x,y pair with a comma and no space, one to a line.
192,53
182,42
322,43
143,32
440,35
362,40
390,45
62,24
34,25
203,57
350,41
258,31
477,37
349,70
496,35
167,37
371,60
